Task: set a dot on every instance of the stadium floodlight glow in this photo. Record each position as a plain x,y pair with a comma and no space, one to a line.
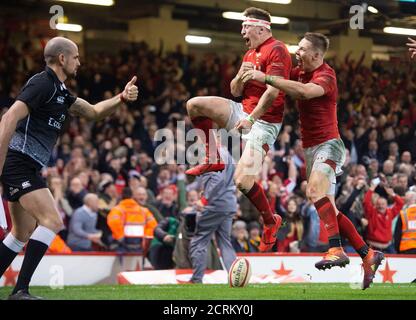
279,20
402,31
275,1
239,16
292,48
197,39
69,27
372,9
106,3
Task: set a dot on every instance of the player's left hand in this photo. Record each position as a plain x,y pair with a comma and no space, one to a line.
243,124
131,91
412,47
255,75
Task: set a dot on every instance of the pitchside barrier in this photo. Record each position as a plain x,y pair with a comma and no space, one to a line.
58,270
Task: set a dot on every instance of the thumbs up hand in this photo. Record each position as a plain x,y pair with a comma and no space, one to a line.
131,91
412,47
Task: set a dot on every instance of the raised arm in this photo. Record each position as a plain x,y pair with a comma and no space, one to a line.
297,90
367,201
8,124
104,108
398,202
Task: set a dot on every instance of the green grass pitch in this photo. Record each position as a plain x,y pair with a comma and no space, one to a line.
315,291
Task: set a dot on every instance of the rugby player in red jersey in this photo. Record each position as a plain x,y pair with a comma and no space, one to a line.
259,116
315,87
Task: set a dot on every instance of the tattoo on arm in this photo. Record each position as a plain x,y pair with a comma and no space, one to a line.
83,109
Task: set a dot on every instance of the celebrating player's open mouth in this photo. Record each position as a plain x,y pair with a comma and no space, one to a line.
299,60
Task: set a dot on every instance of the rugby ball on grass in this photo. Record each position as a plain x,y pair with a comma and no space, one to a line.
240,273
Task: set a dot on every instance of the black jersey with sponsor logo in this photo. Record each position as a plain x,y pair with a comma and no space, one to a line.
48,100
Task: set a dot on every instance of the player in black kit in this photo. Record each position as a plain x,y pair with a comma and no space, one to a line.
28,133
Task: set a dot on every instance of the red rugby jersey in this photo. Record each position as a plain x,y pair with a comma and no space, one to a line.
272,58
318,116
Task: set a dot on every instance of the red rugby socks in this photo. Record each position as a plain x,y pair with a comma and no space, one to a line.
328,215
258,198
347,230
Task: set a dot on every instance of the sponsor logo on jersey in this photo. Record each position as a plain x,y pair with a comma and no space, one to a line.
13,191
56,123
26,184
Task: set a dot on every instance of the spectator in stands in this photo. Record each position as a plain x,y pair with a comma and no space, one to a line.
76,193
239,238
131,224
350,203
380,217
110,163
406,158
388,169
373,168
164,179
163,243
134,179
167,205
373,152
402,181
405,230
394,151
108,199
254,234
82,231
140,195
293,230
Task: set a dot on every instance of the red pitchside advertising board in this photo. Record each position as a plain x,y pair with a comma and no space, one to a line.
109,268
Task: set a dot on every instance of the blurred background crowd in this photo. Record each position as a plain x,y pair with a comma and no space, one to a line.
103,175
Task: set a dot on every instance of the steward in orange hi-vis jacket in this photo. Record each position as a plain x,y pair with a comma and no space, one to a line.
58,245
405,232
130,222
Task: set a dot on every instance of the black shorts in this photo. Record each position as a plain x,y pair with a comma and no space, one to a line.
21,175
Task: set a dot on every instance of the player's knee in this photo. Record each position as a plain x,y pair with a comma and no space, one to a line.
189,105
193,105
243,183
55,224
312,192
22,235
238,181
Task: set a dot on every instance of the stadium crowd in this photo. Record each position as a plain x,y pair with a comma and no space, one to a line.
103,176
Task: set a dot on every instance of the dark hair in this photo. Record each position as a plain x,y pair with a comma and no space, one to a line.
318,40
126,193
257,13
